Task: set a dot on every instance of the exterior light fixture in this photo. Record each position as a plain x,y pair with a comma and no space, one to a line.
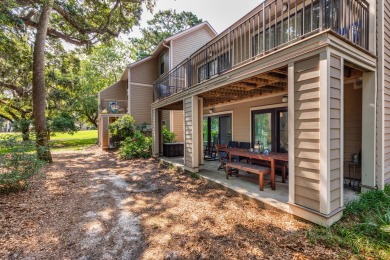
211,110
285,99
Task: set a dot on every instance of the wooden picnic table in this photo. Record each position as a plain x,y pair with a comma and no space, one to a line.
271,158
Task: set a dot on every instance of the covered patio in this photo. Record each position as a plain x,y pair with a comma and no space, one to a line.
276,199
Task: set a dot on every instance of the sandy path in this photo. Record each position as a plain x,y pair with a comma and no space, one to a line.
91,206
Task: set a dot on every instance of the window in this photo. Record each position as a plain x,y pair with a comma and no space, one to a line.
270,127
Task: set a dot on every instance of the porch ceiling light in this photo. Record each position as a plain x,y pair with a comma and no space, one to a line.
211,110
285,99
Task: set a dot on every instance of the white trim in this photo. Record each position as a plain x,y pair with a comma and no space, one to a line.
380,99
248,100
129,92
341,132
141,84
324,183
291,134
195,133
279,105
200,132
171,120
224,113
219,113
189,30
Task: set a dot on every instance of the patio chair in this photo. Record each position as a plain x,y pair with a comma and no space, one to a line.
223,158
233,144
164,90
245,145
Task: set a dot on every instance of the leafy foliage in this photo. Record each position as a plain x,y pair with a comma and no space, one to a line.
163,25
168,136
121,129
18,165
64,122
137,146
364,228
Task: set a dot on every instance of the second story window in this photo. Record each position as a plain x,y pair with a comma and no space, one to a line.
162,63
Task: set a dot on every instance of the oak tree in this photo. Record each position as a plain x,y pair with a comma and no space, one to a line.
77,22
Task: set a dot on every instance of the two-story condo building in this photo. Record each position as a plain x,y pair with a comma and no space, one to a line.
133,93
310,78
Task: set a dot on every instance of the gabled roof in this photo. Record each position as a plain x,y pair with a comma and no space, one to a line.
164,43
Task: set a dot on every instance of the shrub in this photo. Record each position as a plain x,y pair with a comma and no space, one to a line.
121,129
168,136
138,146
18,165
64,123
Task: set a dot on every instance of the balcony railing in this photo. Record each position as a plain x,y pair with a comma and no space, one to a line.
276,24
113,106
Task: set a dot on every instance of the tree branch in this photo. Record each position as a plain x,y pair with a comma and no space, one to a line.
4,102
17,89
83,30
6,117
56,34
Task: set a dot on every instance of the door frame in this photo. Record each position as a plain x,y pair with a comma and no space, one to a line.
223,113
275,142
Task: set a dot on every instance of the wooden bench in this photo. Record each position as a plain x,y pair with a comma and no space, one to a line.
280,165
256,169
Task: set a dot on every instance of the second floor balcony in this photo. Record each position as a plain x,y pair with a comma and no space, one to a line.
113,106
274,25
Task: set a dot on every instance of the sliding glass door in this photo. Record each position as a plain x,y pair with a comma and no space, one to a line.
271,129
217,130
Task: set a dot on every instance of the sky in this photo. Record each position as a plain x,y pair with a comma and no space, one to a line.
219,13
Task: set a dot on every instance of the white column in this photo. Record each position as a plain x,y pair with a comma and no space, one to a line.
368,131
291,137
201,147
324,134
156,132
195,134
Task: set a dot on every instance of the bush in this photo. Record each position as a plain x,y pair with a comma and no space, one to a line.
121,129
18,165
168,136
138,146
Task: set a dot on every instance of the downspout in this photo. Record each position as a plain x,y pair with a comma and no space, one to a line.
169,54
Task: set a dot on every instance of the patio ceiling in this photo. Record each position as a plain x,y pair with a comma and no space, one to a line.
263,84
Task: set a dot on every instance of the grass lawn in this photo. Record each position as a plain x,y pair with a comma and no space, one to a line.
64,142
364,228
77,141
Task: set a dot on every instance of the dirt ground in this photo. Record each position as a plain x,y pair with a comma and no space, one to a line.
89,205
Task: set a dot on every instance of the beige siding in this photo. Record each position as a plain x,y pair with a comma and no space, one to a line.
387,90
184,46
141,98
116,91
307,137
335,132
188,132
177,125
242,115
145,73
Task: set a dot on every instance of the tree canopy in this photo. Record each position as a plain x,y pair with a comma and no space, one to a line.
163,25
77,22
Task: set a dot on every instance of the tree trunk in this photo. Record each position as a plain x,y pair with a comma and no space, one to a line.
39,88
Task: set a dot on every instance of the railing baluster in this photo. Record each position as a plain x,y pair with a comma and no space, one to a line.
349,18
